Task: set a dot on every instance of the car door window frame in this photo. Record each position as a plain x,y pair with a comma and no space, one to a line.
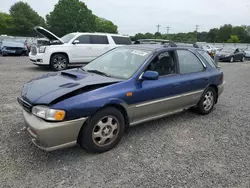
157,54
199,59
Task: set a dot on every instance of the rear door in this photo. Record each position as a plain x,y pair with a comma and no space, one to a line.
99,45
194,78
81,51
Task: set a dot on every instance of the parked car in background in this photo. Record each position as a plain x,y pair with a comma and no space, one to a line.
231,55
93,105
73,48
12,47
247,54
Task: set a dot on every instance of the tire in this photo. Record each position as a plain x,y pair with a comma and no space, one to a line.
243,59
231,59
99,130
59,62
207,108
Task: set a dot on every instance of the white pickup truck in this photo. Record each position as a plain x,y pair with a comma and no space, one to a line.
73,48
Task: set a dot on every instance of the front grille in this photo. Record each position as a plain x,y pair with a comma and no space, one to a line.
33,50
25,105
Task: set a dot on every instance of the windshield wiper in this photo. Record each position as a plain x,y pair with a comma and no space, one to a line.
98,72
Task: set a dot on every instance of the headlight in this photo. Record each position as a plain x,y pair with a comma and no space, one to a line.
42,49
48,114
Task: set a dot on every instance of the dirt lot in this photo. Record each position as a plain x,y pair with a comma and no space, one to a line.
185,150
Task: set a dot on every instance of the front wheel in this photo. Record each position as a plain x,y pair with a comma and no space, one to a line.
59,62
243,59
207,102
231,59
103,131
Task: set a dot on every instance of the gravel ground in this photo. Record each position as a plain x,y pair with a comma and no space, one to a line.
185,150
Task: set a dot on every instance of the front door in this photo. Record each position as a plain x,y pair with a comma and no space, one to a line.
155,98
81,52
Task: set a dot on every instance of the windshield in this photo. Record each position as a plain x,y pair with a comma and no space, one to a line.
68,37
120,62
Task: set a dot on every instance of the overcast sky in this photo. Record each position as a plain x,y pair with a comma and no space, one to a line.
133,16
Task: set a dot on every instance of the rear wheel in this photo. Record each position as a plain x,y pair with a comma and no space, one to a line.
59,62
207,102
104,130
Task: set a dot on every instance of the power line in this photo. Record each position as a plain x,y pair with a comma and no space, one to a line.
168,29
158,28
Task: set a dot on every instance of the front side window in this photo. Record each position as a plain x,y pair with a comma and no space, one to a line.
84,39
120,62
68,37
164,64
188,62
99,39
207,58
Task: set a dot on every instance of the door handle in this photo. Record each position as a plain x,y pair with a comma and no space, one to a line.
176,85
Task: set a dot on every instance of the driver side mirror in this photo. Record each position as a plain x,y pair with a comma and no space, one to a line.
150,75
76,41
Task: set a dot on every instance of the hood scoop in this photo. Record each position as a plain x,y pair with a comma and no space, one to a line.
69,85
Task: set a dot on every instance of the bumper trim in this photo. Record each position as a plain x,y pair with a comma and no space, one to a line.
62,146
51,136
221,88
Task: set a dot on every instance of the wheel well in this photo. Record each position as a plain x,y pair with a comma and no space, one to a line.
59,53
216,90
122,110
118,107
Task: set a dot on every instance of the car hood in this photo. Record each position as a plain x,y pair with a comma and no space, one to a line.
47,34
52,87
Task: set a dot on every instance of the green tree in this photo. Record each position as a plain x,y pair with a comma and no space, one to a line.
233,39
71,16
157,35
25,19
225,32
212,35
6,23
105,26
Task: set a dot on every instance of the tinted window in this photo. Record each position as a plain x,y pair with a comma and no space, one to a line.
99,39
207,58
189,63
84,39
121,40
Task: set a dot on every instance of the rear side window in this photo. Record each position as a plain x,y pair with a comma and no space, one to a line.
121,40
188,62
99,39
207,58
84,39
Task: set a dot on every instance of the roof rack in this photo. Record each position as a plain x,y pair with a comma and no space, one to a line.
173,44
166,43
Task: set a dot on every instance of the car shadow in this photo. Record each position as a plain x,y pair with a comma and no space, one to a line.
131,134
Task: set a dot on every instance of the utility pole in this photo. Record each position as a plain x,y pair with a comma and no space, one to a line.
158,28
168,29
197,28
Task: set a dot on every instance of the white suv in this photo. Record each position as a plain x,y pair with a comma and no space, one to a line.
73,48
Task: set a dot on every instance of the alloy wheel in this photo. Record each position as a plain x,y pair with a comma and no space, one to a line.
208,101
60,63
105,131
